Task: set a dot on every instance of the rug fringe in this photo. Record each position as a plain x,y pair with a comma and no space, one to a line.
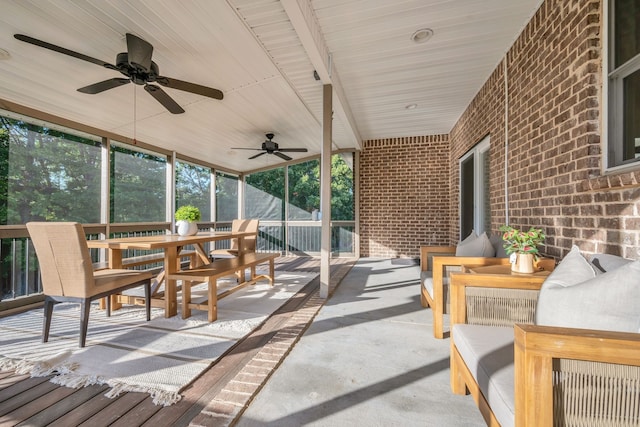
39,368
159,397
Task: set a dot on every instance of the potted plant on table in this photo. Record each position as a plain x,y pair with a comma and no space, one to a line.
522,246
186,218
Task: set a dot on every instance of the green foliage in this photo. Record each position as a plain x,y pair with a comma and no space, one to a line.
138,186
342,196
521,242
266,195
47,175
188,213
193,187
304,189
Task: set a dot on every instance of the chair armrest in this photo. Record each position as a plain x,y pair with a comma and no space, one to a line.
428,252
441,262
536,374
502,289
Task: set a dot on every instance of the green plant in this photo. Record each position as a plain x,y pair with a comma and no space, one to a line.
522,242
188,213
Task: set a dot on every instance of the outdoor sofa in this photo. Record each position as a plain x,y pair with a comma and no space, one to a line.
438,262
564,353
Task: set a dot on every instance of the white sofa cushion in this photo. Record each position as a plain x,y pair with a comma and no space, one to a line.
426,279
574,296
488,353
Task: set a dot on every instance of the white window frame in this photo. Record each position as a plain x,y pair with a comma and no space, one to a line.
479,184
613,89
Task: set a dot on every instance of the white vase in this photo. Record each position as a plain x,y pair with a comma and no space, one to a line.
523,264
186,228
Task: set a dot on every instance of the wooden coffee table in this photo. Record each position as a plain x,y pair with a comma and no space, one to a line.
502,270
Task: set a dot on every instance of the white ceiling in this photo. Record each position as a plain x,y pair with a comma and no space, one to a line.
261,54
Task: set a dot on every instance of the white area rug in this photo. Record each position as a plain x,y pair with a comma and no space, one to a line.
127,353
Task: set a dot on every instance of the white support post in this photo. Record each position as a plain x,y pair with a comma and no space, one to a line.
171,191
325,190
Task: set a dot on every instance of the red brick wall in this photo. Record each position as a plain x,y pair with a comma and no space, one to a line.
404,195
555,179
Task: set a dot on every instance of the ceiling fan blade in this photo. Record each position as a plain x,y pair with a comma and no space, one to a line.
293,150
164,99
104,85
242,148
190,87
63,50
258,155
139,52
282,156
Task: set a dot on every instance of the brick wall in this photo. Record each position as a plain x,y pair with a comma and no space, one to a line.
404,195
553,135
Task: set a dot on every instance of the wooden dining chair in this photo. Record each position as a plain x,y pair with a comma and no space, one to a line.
68,276
249,225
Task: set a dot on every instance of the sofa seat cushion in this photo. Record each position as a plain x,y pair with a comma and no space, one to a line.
488,353
426,280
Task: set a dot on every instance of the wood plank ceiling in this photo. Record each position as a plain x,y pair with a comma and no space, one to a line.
262,54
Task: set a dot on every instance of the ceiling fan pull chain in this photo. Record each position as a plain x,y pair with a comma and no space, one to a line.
135,118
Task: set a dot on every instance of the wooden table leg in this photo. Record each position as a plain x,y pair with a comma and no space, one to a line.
115,261
170,287
204,256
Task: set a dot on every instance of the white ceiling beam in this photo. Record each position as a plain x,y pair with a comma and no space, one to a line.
303,19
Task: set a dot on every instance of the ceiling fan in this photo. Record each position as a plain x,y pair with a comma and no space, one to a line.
136,65
270,147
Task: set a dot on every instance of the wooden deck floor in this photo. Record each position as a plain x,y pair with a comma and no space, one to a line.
28,401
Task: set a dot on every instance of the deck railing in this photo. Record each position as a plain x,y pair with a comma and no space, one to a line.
20,275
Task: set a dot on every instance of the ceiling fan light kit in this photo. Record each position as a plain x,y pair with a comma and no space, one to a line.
136,65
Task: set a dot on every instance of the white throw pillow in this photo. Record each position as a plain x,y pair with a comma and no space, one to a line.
575,296
471,237
479,247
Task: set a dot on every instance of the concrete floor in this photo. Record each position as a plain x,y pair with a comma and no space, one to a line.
368,359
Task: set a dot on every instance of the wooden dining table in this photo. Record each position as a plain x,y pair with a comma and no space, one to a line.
171,244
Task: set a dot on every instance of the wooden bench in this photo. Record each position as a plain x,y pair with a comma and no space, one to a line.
139,260
211,272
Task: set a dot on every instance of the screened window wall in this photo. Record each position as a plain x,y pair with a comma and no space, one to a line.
52,173
287,202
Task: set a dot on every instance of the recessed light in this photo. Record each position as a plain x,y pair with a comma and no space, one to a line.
422,35
411,106
4,54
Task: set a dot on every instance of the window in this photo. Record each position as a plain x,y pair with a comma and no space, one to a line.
342,186
474,190
226,197
624,83
304,190
264,195
193,187
47,174
138,186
